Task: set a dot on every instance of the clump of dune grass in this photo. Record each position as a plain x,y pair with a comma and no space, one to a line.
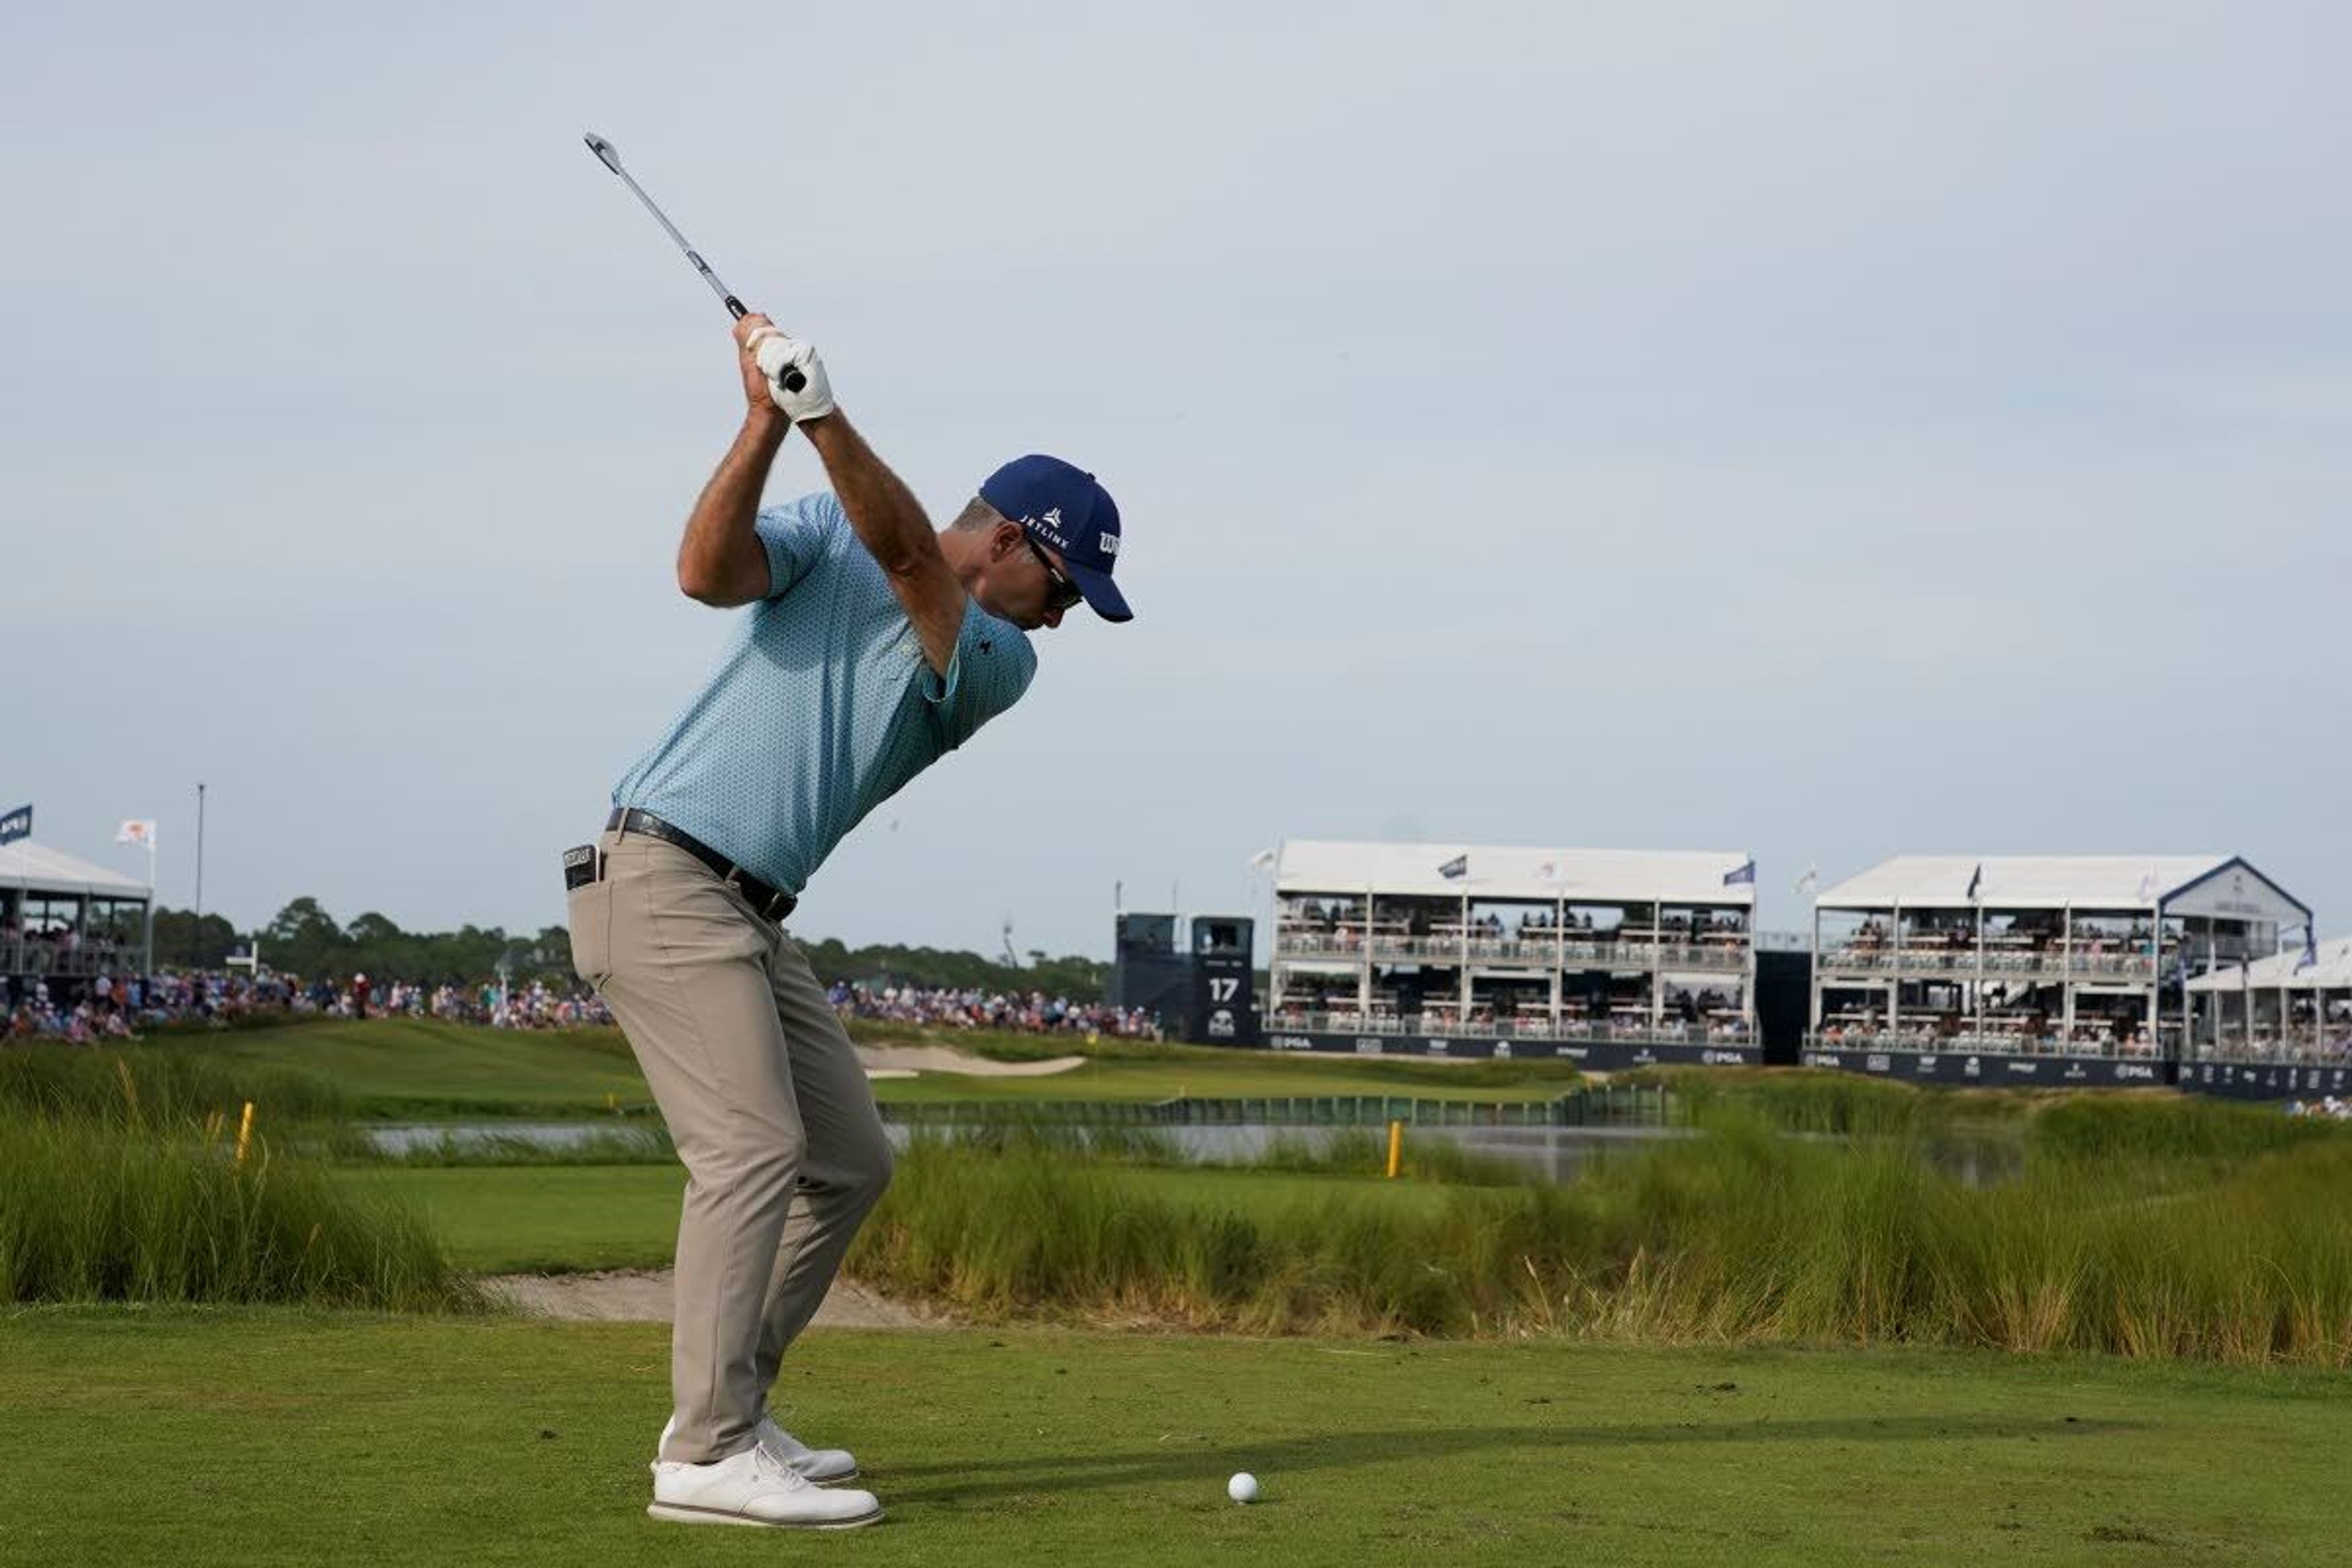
1741,1236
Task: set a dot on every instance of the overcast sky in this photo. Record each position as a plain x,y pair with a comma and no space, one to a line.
1827,431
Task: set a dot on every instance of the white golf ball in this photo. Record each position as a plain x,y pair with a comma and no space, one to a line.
1243,1487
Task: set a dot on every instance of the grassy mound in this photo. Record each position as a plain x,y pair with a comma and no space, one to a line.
157,1084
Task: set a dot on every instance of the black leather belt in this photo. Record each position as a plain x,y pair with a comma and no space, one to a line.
767,902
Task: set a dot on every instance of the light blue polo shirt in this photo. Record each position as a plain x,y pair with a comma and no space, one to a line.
823,706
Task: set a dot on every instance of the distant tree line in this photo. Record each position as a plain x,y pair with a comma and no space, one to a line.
303,939
936,969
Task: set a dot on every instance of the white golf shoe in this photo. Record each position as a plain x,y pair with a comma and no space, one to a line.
822,1466
754,1487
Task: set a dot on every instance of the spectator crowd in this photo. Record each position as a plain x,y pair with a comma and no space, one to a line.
109,1006
1029,1013
117,1007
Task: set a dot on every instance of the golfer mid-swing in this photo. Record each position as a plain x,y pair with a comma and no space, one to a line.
873,645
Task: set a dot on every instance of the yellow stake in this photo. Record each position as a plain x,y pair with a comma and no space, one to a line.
1396,1148
244,1131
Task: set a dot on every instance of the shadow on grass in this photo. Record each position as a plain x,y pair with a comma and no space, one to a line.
1188,1460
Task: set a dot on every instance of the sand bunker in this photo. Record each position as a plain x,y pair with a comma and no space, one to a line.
643,1296
893,1060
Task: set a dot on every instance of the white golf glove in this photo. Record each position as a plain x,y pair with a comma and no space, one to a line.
777,352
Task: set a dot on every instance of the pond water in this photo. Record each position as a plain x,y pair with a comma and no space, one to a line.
404,1138
1545,1153
1548,1154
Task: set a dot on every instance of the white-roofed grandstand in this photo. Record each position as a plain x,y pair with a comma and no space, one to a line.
2034,968
2293,1008
64,916
1608,957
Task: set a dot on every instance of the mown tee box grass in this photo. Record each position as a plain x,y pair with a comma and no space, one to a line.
259,1438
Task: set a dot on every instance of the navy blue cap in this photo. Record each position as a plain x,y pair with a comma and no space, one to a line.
1063,508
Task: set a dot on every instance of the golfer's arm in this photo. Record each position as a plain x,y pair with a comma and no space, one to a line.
720,561
889,522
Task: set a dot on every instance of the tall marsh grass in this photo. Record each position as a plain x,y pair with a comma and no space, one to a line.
1742,1236
120,1180
1361,1152
2165,1127
99,1211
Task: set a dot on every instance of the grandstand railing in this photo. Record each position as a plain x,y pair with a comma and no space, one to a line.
2299,1048
1446,1026
32,956
1531,951
2053,963
1596,1105
1923,1042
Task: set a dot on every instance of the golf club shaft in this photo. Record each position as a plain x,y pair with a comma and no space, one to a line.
734,306
610,156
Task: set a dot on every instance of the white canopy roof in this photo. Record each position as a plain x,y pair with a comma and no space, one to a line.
1493,872
25,864
2281,970
2219,885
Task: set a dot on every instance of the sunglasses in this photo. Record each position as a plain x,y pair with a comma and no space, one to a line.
1063,593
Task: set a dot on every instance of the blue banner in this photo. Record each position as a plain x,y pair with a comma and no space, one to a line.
17,823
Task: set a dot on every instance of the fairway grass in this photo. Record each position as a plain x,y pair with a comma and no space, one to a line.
254,1438
392,1068
556,1219
425,1069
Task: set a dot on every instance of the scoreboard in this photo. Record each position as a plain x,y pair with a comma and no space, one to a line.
1201,983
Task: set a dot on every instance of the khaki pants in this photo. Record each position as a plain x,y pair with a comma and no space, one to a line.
770,1111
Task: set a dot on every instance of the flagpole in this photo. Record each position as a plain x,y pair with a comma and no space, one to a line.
200,864
147,943
18,989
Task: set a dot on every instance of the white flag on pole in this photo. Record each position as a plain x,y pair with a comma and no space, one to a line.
135,832
1262,861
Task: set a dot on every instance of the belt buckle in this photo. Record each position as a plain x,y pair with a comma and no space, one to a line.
735,878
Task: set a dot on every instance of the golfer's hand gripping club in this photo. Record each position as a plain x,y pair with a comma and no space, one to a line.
792,379
789,370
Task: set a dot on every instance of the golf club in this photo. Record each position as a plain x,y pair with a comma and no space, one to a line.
610,156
